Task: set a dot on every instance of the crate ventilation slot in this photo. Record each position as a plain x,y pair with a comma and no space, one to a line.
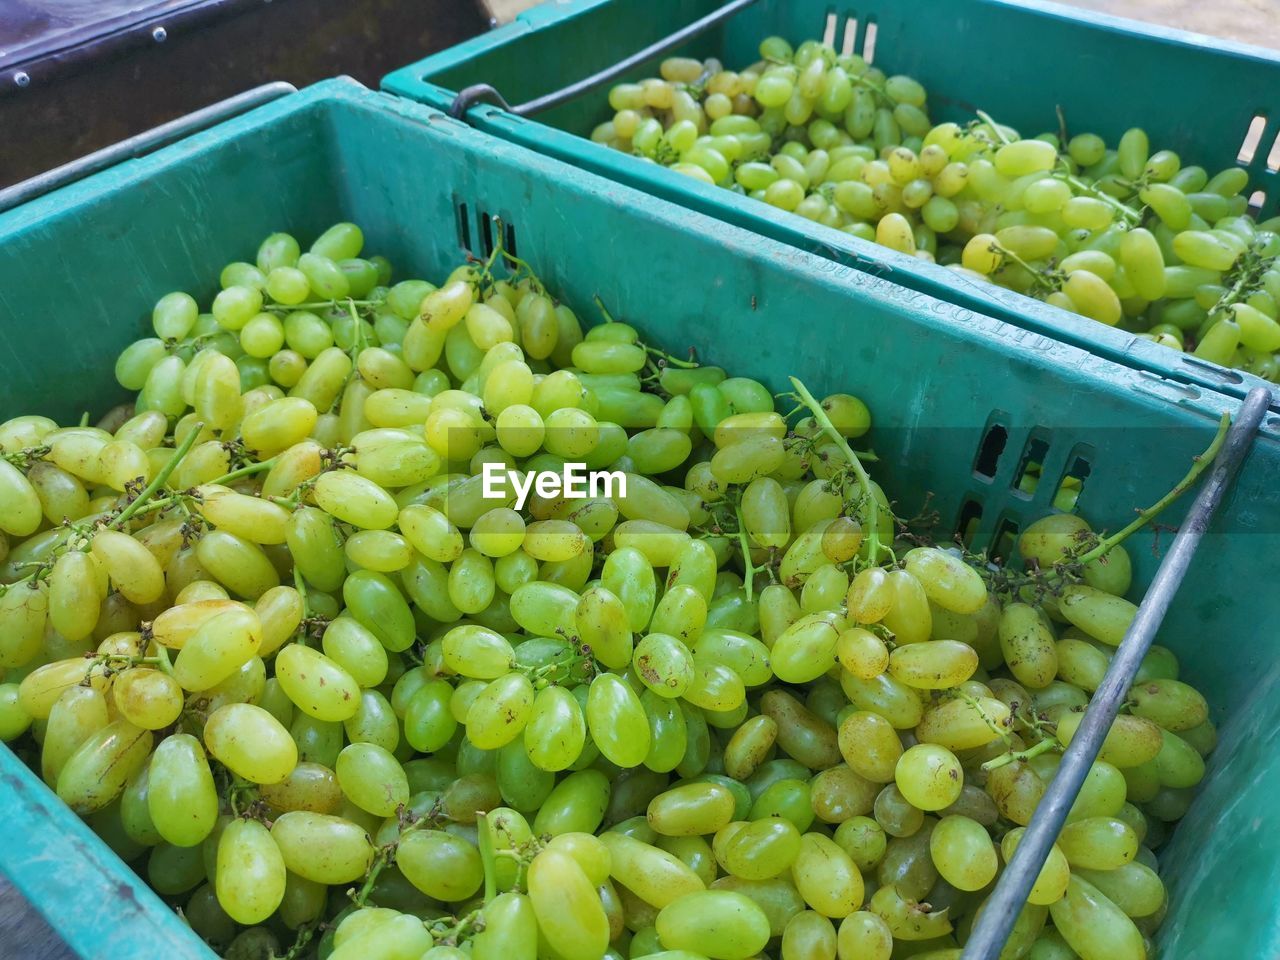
990,450
969,521
464,226
1071,486
850,36
869,42
1257,200
486,232
1006,538
1252,137
1273,158
829,30
1031,465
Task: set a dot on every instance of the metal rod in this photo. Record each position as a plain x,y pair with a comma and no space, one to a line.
141,143
1006,902
470,96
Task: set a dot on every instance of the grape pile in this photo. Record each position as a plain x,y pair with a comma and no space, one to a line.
1119,234
266,629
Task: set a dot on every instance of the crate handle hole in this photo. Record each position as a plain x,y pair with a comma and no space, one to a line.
1252,137
869,42
1257,200
850,35
829,29
464,227
968,522
990,450
1031,465
1273,158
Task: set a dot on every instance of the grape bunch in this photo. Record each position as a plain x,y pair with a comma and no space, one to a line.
1120,234
272,631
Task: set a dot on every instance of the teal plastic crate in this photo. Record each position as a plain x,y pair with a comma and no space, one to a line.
962,402
1209,100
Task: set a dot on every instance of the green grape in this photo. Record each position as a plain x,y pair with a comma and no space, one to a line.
96,773
826,877
1173,705
353,648
322,848
870,745
311,786
14,721
1098,843
668,732
603,626
375,602
937,665
576,804
947,580
75,595
1131,741
655,876
77,715
510,930
555,733
721,924
372,778
664,665
762,849
181,796
694,809
1027,645
317,685
749,746
251,872
544,609
963,852
1051,882
172,870
568,911
962,725
809,936
501,711
441,865
929,776
806,649
250,742
1094,926
616,721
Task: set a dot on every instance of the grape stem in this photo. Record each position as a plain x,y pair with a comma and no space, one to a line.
1131,216
1045,281
1248,275
1044,746
306,932
744,544
245,471
995,127
300,584
864,479
485,842
319,305
1199,464
977,707
159,479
